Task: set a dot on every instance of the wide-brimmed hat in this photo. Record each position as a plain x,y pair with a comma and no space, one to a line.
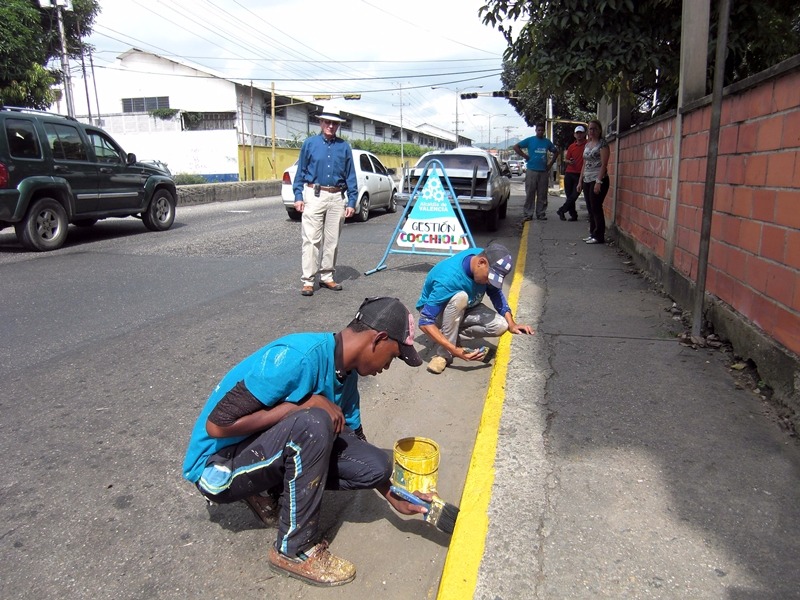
391,315
331,114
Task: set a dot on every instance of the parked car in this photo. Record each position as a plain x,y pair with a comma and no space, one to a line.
376,187
517,167
55,171
479,182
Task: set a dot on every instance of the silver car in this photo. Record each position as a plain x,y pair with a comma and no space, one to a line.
478,179
376,187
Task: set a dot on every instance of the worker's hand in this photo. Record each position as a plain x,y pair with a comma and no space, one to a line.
334,411
349,212
299,205
517,328
407,508
470,354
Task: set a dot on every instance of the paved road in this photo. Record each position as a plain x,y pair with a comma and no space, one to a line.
111,346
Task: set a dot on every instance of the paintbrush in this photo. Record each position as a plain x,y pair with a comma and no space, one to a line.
441,514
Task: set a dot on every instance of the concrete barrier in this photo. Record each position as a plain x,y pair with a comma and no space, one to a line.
225,192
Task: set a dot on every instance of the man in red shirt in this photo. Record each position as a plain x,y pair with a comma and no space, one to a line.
574,160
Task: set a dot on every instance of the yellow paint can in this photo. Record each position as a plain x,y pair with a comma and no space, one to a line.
416,464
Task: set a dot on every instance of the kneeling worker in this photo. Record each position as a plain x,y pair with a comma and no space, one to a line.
285,424
451,309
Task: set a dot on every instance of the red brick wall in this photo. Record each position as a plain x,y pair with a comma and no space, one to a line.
754,255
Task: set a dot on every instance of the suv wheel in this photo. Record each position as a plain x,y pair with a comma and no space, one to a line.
160,214
44,227
363,209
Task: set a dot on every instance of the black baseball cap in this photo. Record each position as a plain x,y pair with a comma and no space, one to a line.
391,315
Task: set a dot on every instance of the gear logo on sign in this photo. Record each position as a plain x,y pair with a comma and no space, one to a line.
432,222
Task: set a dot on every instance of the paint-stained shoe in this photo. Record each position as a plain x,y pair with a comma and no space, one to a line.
316,566
307,290
265,508
437,365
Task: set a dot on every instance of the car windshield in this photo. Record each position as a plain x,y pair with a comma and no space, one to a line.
456,161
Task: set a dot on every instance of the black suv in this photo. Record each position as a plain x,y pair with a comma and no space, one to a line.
55,171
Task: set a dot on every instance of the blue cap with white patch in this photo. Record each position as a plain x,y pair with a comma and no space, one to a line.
499,263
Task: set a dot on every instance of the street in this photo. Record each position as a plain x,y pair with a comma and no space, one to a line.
111,346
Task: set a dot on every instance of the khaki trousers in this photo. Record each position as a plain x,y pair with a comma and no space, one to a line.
323,217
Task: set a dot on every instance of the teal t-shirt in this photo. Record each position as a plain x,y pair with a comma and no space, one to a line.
287,370
537,152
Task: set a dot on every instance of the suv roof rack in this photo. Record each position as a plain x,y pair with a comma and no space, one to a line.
24,109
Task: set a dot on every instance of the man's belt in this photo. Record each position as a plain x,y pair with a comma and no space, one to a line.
326,188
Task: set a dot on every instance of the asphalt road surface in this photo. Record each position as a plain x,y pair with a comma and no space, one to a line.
111,345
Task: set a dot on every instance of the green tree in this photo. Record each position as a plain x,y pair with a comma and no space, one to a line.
605,47
531,105
29,41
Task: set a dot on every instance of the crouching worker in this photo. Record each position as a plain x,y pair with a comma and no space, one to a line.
285,423
451,309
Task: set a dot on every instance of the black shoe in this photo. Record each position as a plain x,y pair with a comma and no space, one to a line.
561,215
573,219
542,218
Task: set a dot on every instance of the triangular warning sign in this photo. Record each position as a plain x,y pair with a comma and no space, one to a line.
432,222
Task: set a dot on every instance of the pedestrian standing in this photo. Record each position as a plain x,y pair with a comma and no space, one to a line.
537,174
285,424
594,179
572,173
325,173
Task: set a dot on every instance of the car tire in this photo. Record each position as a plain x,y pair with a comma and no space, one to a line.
44,227
503,209
293,214
490,219
392,207
160,213
363,209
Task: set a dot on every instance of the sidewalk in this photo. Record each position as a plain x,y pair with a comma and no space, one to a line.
626,464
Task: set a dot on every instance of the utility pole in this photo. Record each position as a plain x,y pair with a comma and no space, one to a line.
457,90
67,80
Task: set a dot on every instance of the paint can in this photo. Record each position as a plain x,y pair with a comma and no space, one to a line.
416,464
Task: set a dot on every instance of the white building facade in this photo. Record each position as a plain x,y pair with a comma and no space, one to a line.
195,120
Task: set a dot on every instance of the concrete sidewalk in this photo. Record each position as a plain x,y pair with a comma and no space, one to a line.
627,465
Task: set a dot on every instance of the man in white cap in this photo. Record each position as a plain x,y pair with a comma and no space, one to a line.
572,173
325,176
450,306
285,424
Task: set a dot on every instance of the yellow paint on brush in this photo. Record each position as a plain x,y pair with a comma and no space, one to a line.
460,575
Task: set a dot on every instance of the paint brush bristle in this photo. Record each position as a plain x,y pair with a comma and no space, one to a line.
442,515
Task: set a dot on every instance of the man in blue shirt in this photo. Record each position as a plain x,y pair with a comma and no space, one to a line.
285,424
325,172
537,173
450,305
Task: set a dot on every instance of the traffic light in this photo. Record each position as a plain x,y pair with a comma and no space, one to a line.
469,95
504,94
352,96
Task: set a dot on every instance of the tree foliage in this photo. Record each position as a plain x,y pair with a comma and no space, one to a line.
30,41
531,105
601,48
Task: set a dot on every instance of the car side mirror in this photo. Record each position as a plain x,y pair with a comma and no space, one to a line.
392,171
131,158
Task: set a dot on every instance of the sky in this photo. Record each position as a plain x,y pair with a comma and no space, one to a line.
390,53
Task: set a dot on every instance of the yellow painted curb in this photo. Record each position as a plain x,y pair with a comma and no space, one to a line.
460,574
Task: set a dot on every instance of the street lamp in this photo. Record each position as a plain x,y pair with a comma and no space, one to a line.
490,122
458,91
